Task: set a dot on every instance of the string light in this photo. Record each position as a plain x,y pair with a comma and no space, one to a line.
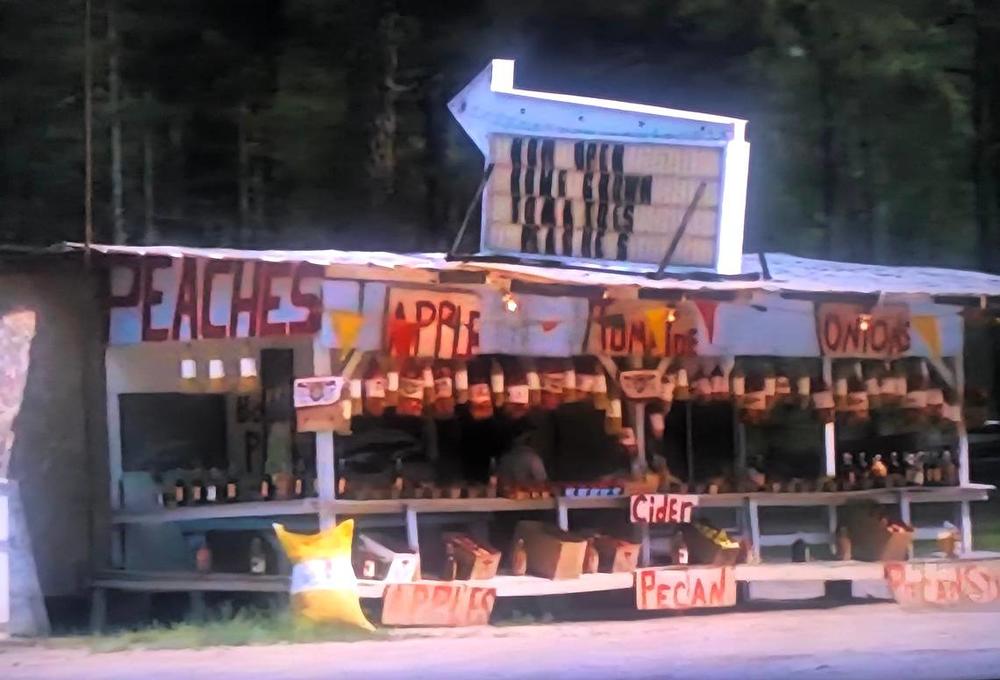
864,322
509,302
671,314
216,369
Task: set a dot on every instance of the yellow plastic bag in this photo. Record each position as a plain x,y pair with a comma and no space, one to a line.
324,587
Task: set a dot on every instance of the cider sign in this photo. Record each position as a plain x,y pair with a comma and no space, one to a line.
659,508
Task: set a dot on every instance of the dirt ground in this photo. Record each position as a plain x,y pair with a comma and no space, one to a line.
858,641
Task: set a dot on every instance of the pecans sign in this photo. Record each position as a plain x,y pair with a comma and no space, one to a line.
685,587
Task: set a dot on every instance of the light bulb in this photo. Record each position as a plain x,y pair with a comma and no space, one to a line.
864,321
671,315
509,302
216,369
189,369
248,367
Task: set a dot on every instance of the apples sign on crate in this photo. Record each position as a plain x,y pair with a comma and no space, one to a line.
578,178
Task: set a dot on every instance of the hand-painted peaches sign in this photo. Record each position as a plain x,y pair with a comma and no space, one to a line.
685,587
435,603
159,298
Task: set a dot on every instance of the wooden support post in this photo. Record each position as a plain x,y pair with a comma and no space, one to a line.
906,516
562,513
829,433
198,608
689,440
739,443
325,459
98,610
645,554
963,434
412,530
639,424
751,510
963,518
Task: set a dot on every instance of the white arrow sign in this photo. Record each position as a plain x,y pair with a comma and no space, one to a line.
490,104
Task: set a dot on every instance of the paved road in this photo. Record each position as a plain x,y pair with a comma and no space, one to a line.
860,641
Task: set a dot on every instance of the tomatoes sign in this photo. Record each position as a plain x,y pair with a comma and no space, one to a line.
657,508
685,588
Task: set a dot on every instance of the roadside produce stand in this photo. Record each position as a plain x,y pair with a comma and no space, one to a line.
659,375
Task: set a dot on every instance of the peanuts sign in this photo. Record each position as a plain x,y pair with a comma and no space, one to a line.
159,298
433,603
685,588
842,330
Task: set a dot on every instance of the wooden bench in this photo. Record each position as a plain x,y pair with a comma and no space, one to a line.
195,584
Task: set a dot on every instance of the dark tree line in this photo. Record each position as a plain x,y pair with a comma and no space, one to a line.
322,123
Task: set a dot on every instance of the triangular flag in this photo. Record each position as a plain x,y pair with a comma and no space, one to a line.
402,335
927,327
550,325
656,327
707,309
347,325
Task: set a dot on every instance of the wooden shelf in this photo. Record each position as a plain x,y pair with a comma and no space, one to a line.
944,494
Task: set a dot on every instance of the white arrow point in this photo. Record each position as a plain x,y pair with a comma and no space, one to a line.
491,104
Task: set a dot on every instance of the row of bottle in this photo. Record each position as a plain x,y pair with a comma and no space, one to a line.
915,468
214,490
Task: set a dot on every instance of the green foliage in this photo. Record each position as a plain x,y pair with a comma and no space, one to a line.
871,120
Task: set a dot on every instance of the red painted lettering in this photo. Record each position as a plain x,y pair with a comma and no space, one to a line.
717,589
473,343
152,297
213,268
245,304
308,301
187,300
268,302
647,583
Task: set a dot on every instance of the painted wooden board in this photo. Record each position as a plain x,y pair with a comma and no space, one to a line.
437,603
950,584
685,587
658,508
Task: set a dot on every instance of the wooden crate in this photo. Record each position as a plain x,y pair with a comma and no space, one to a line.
474,560
552,553
616,555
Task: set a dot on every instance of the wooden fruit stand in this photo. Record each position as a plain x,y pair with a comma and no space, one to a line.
610,282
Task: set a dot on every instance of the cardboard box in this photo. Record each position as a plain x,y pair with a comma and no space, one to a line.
616,555
552,553
474,560
387,560
872,540
703,550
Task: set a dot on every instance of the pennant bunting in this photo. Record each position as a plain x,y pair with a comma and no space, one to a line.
347,325
656,326
927,328
707,309
550,325
402,337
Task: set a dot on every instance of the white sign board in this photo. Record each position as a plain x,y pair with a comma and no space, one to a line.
658,508
685,587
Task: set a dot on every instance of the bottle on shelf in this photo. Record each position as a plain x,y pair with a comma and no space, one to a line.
800,551
266,488
848,473
919,477
342,487
258,556
232,490
932,472
449,571
197,492
519,559
862,466
397,480
949,469
212,492
879,469
896,471
679,550
180,492
203,558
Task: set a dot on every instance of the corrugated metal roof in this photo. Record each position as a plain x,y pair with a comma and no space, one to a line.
789,273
